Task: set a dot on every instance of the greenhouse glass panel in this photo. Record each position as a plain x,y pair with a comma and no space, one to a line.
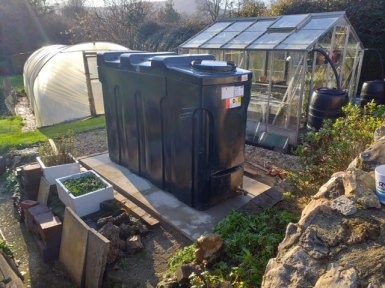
218,54
239,26
242,40
257,64
289,21
320,23
303,37
235,56
268,40
201,38
219,40
260,26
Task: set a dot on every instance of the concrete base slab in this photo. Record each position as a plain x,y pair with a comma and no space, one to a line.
163,205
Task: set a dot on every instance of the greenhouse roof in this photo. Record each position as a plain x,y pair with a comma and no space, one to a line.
287,32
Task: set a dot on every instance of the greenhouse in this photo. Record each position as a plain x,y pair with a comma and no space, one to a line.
286,69
62,82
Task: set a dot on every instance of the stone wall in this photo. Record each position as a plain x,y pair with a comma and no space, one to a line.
339,240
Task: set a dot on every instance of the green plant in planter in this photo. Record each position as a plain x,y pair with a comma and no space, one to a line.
59,152
84,184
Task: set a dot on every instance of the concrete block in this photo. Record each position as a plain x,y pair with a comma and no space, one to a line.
97,251
73,246
44,188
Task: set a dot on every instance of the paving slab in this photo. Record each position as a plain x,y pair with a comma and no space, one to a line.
164,206
97,251
74,246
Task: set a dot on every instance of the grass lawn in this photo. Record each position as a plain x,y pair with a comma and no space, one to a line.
16,81
11,135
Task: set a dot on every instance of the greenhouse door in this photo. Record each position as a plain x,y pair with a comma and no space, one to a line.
94,87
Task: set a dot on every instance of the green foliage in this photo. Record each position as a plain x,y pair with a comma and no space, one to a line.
250,241
12,136
84,184
8,182
6,248
333,147
183,256
252,8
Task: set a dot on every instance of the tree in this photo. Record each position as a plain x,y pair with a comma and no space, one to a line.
168,14
118,21
252,8
215,9
73,9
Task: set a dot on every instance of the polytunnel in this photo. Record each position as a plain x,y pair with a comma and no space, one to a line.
62,82
286,68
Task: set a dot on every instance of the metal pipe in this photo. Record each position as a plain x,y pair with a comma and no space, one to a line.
331,64
380,57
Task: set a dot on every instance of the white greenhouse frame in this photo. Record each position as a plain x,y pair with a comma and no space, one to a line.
278,50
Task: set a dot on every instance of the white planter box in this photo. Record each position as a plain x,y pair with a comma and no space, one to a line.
53,172
87,203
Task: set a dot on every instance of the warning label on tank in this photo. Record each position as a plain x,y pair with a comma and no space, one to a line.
232,92
233,102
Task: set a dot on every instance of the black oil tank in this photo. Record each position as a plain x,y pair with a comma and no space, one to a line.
326,103
373,90
111,78
205,113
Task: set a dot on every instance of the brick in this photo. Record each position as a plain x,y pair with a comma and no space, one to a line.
49,227
31,213
26,204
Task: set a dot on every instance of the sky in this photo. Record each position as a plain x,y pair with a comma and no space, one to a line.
100,2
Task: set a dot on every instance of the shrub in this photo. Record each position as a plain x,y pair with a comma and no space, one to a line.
336,144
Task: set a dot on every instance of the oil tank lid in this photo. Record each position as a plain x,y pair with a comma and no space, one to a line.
213,66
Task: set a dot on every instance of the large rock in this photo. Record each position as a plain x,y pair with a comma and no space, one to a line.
335,277
379,133
134,244
339,240
208,248
333,188
372,157
360,187
344,205
111,232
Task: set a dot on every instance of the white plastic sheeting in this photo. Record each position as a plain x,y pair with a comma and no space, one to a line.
56,84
